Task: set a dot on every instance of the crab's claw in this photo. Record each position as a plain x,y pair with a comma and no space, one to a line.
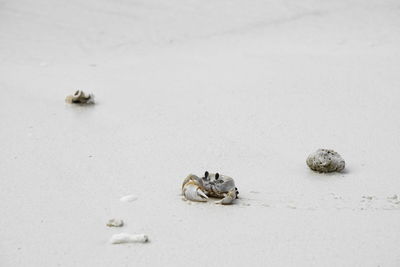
192,189
228,198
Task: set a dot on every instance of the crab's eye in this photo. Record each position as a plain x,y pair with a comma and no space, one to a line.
206,174
216,176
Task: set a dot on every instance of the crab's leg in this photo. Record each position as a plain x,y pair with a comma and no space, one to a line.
228,198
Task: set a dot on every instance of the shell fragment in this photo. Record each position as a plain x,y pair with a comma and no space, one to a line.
128,238
115,223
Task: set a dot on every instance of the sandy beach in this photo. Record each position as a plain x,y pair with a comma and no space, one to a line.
246,89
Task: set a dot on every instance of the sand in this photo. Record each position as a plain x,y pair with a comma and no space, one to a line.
246,89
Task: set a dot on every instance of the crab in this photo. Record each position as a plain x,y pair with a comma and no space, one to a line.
211,185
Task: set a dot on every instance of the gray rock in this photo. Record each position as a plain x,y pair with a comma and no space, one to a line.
325,160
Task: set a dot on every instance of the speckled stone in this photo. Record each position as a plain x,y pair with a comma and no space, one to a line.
325,160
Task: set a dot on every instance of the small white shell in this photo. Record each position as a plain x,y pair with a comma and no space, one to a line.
128,198
128,238
115,223
325,160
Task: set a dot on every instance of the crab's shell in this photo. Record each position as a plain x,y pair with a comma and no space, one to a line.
218,187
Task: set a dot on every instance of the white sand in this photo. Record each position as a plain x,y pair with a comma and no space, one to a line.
245,88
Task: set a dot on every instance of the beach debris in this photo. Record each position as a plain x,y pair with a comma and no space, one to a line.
325,160
369,198
79,97
115,223
393,199
128,198
128,238
211,185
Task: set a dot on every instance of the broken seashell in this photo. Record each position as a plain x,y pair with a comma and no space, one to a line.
115,223
325,160
128,238
79,97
